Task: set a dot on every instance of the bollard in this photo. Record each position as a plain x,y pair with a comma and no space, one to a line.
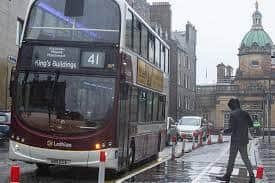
174,139
260,172
101,173
200,139
209,142
220,138
14,174
193,141
183,145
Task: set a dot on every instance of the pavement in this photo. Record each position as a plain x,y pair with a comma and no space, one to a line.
266,157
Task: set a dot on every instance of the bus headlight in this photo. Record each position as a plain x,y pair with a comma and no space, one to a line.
97,146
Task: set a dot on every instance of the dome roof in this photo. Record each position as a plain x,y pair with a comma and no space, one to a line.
258,37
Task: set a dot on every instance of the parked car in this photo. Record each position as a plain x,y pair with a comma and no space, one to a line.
189,125
5,120
171,130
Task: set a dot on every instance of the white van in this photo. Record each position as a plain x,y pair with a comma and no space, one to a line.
188,125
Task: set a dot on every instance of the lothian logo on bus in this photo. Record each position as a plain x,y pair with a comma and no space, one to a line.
53,143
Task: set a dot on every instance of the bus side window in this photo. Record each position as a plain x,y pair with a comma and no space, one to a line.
134,105
129,29
149,106
161,109
137,35
155,107
142,96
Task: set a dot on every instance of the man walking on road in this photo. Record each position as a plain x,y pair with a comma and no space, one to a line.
238,127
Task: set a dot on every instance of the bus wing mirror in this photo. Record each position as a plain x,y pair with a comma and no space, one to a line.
19,30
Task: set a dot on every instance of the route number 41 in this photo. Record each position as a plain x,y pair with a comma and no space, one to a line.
94,59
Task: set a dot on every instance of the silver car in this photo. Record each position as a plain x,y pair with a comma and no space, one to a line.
5,120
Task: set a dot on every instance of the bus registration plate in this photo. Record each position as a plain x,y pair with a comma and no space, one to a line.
59,161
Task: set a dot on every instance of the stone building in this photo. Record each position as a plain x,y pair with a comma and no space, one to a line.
12,14
183,75
142,7
182,86
160,12
253,83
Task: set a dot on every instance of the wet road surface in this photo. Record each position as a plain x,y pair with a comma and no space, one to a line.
200,165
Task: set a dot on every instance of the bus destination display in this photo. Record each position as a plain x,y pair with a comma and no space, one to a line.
93,59
56,57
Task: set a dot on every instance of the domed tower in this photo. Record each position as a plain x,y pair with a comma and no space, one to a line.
255,50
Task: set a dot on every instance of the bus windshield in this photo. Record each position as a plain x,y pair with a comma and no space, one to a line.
97,21
64,104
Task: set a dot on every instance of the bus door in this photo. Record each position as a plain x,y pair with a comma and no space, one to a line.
124,104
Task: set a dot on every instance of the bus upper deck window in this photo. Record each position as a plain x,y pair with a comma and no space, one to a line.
74,8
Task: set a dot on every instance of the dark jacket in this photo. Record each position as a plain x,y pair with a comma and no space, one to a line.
238,124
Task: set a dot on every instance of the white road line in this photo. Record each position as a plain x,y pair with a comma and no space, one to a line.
215,170
235,171
196,180
142,170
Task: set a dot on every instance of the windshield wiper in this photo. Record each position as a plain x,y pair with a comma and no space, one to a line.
51,98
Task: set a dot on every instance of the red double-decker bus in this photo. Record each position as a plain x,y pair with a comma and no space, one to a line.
91,76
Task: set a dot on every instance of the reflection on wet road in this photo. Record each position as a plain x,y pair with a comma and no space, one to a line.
201,165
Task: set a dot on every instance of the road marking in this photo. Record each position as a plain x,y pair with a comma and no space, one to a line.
215,170
160,161
196,180
235,171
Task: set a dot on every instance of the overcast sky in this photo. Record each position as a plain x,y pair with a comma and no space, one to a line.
221,26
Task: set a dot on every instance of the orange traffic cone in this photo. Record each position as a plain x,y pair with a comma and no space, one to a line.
260,172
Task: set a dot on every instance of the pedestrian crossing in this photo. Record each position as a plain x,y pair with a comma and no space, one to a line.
216,170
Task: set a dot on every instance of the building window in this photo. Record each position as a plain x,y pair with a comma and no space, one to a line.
255,63
129,29
226,120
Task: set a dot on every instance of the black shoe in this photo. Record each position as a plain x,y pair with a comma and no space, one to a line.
252,179
225,178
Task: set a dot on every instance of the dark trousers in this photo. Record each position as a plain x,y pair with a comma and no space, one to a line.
242,148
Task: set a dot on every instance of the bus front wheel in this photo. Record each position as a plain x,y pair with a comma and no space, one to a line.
42,167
